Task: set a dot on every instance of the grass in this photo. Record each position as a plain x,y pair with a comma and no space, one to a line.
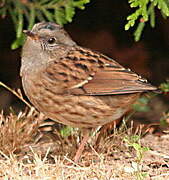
39,168
119,156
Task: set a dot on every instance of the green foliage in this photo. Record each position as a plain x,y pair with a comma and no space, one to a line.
145,11
66,131
26,11
164,121
62,11
142,104
165,87
134,142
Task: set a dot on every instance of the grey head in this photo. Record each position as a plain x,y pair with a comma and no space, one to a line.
46,39
50,33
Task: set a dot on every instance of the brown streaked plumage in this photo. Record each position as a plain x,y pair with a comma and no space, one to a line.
74,85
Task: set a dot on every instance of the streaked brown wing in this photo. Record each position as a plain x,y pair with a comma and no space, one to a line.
113,82
85,72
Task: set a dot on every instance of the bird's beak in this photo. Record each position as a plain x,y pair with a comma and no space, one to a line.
31,34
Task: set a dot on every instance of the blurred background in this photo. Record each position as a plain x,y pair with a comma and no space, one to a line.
99,27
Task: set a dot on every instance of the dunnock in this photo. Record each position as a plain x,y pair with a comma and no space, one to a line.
73,85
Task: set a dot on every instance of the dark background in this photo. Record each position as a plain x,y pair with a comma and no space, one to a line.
100,27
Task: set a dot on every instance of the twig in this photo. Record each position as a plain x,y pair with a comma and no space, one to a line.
15,93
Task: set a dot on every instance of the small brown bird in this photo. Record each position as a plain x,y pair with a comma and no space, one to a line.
73,85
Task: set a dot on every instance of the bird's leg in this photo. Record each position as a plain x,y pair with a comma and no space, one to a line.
82,145
104,129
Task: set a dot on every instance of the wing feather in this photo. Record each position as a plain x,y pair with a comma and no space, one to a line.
113,82
84,72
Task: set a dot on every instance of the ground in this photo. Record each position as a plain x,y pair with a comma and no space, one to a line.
119,156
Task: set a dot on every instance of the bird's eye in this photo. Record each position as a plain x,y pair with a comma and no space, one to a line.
51,40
